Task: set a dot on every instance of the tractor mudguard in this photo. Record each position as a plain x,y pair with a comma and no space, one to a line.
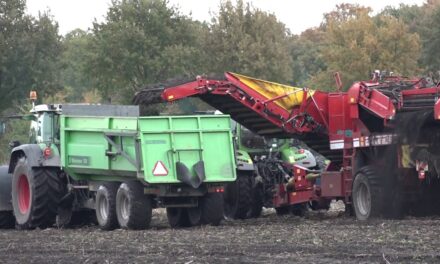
5,189
34,156
184,174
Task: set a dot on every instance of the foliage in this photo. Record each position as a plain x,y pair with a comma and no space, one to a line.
249,41
306,52
30,49
142,42
357,44
74,58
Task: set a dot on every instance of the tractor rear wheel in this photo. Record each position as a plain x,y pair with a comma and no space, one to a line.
133,207
36,193
7,219
212,208
238,198
178,217
257,202
367,194
105,206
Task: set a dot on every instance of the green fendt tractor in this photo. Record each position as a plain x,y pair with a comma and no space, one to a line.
262,163
110,161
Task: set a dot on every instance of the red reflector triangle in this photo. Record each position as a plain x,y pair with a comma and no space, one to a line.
160,169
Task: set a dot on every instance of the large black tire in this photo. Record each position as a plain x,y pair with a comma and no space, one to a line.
36,193
367,194
299,209
178,217
7,220
212,208
238,198
282,210
133,207
195,215
105,206
257,202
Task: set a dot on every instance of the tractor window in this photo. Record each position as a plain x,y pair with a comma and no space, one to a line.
43,127
251,140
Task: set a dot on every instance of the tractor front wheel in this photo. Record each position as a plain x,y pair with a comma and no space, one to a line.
36,193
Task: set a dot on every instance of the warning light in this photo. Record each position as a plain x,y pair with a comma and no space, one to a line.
300,151
351,100
33,95
170,97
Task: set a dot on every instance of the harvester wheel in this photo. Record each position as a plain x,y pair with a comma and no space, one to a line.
105,206
367,194
177,217
36,193
212,208
238,198
133,207
7,219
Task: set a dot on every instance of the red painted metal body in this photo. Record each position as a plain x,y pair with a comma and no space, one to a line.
339,119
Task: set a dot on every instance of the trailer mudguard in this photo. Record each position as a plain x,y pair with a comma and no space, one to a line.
5,189
34,156
184,175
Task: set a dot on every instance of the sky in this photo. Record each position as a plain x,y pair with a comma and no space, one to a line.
298,15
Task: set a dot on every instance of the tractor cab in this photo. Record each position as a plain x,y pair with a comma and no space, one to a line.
44,122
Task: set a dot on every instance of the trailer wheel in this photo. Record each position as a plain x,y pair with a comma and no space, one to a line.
238,198
212,208
7,219
133,207
195,215
105,206
36,193
177,217
366,194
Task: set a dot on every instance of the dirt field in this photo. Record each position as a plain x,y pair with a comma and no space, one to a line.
319,238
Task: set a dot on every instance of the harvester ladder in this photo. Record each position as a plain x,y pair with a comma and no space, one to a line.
347,172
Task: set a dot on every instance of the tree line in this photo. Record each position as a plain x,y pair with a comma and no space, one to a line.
148,41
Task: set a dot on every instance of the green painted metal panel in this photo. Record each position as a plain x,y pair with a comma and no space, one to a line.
188,139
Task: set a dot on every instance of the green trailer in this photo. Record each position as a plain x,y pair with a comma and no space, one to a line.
110,161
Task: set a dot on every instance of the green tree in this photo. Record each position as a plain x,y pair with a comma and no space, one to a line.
306,52
74,58
357,44
29,53
141,42
249,41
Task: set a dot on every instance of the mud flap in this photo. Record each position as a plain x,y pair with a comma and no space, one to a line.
184,174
